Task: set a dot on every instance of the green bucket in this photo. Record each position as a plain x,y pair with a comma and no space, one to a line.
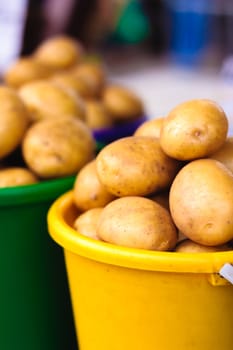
35,309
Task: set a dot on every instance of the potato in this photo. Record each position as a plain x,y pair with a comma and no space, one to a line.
225,154
14,121
151,128
194,129
86,223
162,198
25,70
58,147
16,176
181,236
201,202
135,166
89,192
59,52
97,116
188,246
45,99
137,222
78,85
93,73
122,103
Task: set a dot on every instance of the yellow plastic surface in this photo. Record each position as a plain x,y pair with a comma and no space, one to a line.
131,299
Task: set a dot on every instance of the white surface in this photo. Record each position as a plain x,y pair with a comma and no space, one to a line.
12,22
164,85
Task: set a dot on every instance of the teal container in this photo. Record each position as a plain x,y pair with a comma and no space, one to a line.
35,309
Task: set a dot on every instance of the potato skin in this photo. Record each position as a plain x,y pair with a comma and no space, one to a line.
225,154
151,128
137,222
59,52
16,176
25,70
78,85
44,100
194,129
94,74
188,246
86,223
14,121
97,117
201,202
161,198
89,192
135,166
122,103
55,148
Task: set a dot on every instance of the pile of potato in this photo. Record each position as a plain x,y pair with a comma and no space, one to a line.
168,187
50,103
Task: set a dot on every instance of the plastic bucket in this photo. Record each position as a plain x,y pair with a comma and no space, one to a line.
115,132
35,308
136,299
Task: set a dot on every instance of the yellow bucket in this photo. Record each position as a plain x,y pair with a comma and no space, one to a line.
131,299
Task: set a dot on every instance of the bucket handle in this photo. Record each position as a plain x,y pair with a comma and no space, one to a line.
227,272
222,278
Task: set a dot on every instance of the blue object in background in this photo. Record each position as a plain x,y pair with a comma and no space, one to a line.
107,135
190,29
190,35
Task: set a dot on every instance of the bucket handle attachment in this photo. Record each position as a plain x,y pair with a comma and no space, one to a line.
227,272
222,278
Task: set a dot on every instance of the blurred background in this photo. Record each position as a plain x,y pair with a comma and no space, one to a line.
167,51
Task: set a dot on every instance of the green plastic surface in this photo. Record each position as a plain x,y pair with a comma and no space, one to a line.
35,308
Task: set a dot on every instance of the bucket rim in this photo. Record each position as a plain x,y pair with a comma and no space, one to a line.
70,240
109,134
42,191
37,192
